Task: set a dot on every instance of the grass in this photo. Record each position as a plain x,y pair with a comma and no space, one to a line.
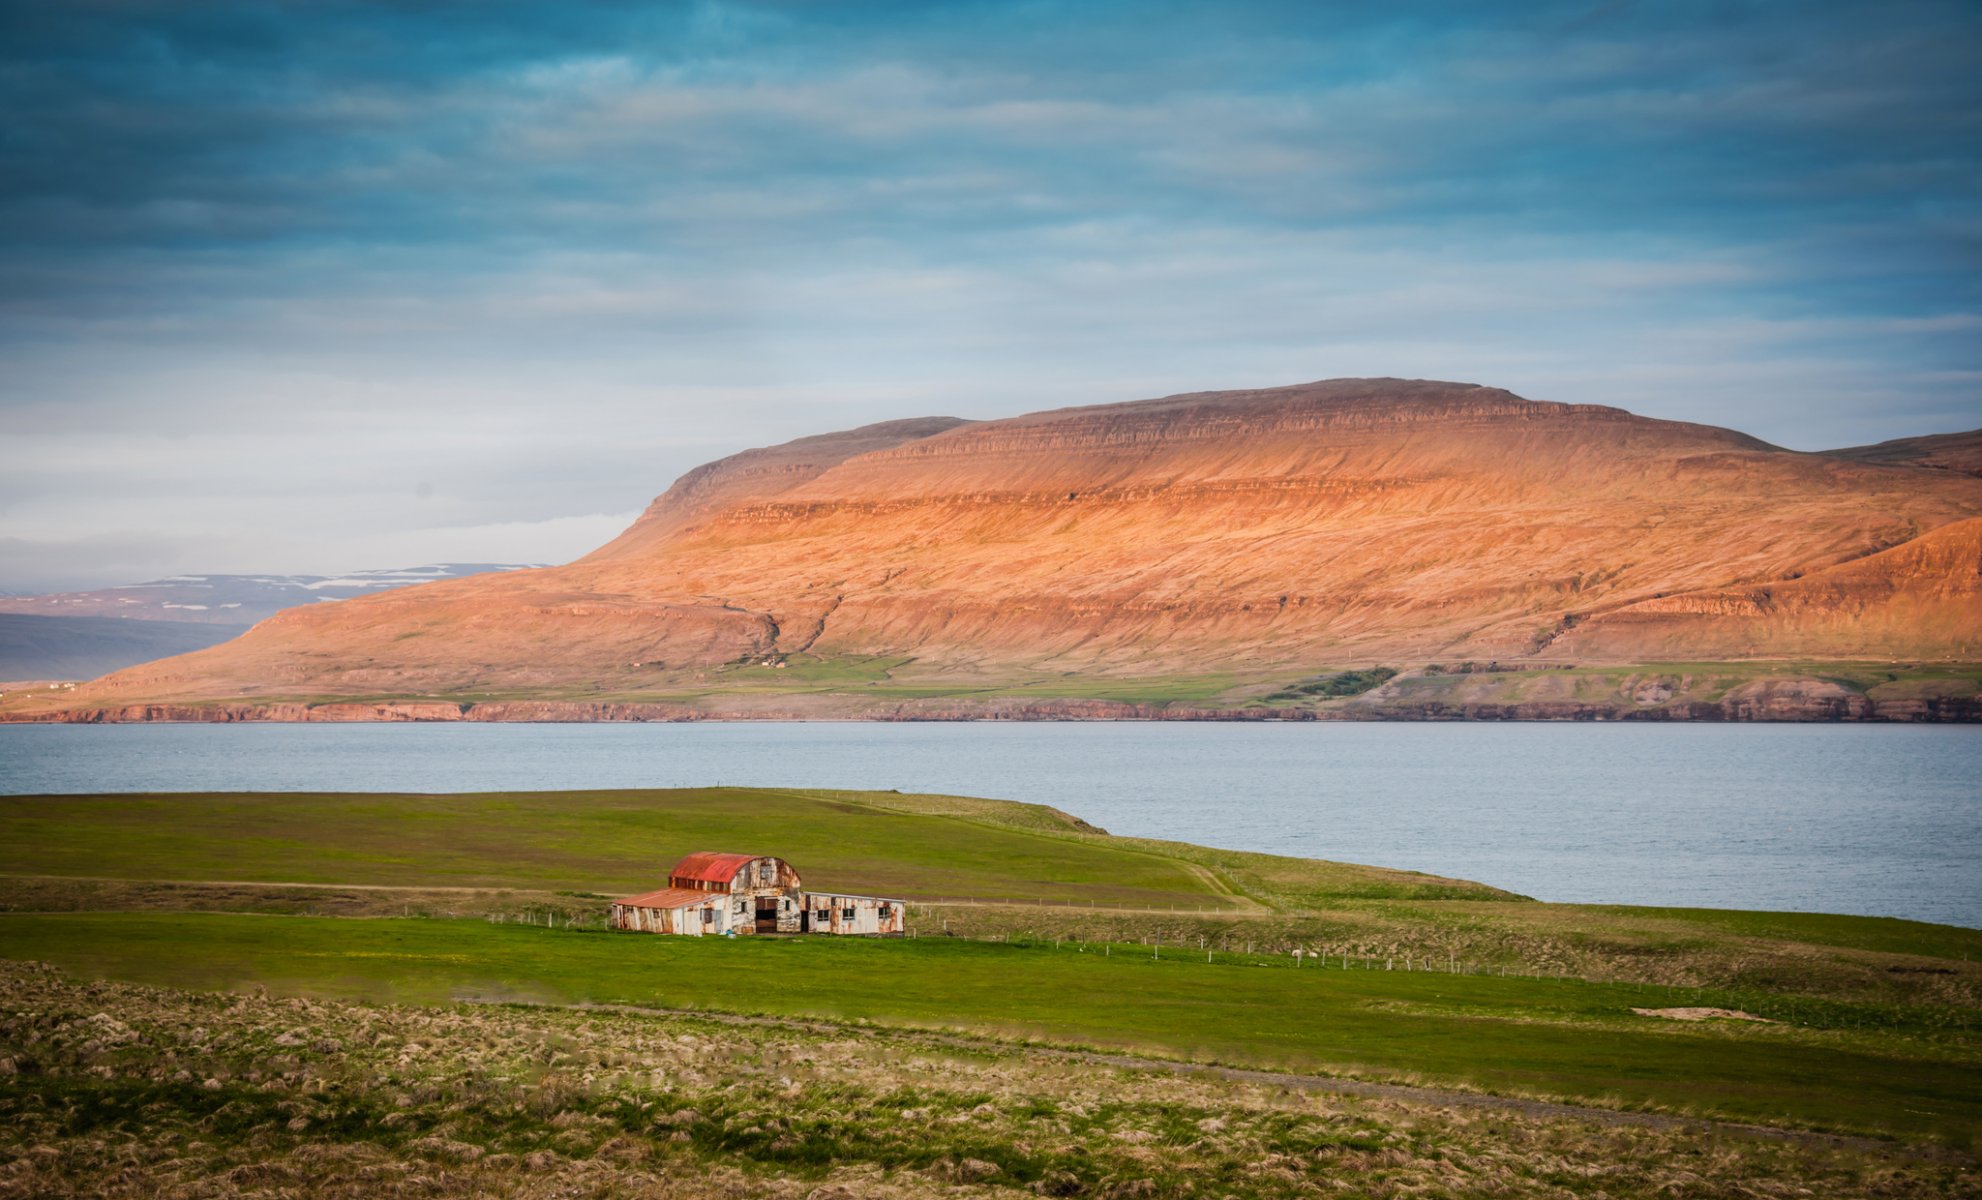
855,683
1334,686
855,686
217,1095
1872,1021
611,841
930,847
1562,1038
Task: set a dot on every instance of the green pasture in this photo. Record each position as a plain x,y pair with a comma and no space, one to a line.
855,683
610,842
1556,1038
1871,1019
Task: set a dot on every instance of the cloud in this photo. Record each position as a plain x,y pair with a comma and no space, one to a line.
267,269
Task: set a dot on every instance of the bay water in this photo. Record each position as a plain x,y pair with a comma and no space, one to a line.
1864,819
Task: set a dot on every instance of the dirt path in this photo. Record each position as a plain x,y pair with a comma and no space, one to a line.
1330,1084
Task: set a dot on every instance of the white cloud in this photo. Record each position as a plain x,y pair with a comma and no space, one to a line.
542,287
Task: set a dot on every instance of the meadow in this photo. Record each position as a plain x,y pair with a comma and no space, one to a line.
1059,936
1556,1038
124,1091
594,841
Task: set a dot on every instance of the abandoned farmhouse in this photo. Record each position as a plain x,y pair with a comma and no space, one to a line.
751,893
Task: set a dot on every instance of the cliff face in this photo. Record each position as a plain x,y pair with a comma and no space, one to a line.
1242,534
1922,598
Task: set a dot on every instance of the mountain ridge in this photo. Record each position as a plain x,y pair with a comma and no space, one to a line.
1248,535
232,599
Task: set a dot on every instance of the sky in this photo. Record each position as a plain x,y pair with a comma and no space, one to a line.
319,287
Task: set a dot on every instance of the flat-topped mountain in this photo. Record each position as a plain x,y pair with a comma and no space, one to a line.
1246,537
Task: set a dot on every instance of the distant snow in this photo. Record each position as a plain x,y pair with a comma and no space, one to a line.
247,597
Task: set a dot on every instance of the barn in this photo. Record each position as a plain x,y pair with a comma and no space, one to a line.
729,894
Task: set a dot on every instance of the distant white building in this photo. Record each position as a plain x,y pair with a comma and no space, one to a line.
730,894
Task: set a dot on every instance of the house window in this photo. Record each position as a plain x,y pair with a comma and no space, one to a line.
846,914
764,872
885,909
708,916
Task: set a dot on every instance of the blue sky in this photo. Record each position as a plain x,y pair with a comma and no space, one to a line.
317,287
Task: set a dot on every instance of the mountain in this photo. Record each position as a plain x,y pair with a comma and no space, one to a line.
1946,451
235,600
1211,546
81,635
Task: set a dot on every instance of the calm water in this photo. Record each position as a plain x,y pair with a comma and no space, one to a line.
1858,819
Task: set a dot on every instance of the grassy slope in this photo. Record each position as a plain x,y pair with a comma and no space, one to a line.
856,686
620,841
595,841
1878,1012
927,847
1552,1037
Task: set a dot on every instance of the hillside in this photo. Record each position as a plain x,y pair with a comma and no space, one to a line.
1204,547
1944,451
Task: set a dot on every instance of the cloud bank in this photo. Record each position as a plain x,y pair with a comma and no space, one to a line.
327,287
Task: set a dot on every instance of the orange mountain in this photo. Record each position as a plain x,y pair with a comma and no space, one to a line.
1242,537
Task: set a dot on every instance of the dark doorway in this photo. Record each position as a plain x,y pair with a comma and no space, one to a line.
767,916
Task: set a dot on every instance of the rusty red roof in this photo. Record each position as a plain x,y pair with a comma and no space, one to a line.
707,867
670,898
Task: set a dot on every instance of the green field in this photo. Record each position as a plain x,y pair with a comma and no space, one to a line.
617,842
1561,1038
1870,1022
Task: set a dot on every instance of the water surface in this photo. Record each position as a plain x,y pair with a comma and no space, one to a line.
1876,820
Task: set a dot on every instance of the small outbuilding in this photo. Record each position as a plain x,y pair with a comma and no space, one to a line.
729,894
